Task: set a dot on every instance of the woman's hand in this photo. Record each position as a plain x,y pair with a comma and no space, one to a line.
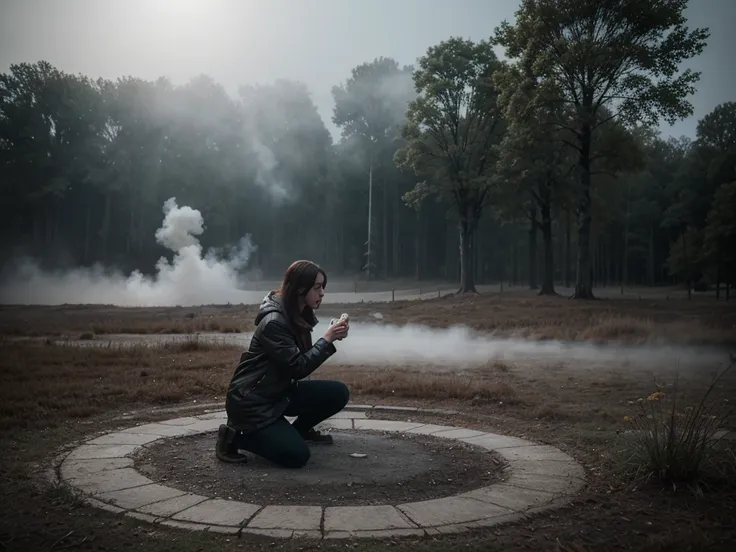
337,332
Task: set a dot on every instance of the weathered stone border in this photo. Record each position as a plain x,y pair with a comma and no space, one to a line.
537,478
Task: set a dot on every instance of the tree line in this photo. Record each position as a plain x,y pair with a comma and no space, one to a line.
543,168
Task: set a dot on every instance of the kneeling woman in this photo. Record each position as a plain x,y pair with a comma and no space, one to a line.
268,383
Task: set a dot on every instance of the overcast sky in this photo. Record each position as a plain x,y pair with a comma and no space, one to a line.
315,41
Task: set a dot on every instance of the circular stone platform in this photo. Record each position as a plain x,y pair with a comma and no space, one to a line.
396,468
534,478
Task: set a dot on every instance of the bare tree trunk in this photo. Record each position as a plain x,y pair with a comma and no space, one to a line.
369,243
104,232
452,259
477,257
688,267
385,229
418,237
467,226
533,248
87,231
625,256
650,263
548,277
568,225
583,283
396,249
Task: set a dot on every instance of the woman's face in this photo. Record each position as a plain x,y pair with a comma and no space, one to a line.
314,296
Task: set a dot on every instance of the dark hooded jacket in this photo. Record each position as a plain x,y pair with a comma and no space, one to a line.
269,371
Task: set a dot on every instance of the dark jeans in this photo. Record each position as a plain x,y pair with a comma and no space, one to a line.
281,442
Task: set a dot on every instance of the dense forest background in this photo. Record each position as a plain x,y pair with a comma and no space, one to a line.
543,169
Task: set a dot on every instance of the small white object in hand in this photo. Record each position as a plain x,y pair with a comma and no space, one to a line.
343,316
358,455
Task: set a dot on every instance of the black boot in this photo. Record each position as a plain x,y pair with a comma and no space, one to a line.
226,450
316,437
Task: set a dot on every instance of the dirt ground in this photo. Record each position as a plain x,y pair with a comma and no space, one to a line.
395,470
51,395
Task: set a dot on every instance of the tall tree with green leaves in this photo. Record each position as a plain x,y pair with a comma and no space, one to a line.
622,56
450,135
716,134
534,171
50,147
719,239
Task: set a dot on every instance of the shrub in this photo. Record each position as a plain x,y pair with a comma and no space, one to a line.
674,445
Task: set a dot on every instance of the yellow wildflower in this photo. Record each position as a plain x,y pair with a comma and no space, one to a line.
655,396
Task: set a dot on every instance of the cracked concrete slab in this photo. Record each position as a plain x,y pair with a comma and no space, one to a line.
184,421
277,533
82,468
161,430
507,496
388,533
490,441
347,414
458,433
105,481
449,510
120,438
137,497
218,511
171,506
548,467
429,429
384,425
203,426
92,452
297,518
552,484
220,415
365,518
535,453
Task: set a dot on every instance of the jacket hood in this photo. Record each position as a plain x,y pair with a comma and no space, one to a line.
273,302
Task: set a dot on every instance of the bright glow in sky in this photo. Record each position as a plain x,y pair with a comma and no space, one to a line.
318,42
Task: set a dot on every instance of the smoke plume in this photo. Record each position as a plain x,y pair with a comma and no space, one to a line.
190,278
373,344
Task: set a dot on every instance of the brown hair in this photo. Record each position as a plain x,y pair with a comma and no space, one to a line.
298,280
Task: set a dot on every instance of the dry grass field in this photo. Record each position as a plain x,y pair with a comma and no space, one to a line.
630,320
51,394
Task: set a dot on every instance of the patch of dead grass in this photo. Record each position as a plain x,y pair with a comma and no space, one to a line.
509,314
44,385
83,321
500,365
627,321
425,386
550,411
627,329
